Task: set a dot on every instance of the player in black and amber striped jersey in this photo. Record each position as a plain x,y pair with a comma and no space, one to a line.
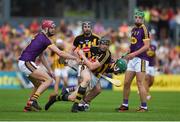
58,65
89,75
86,40
90,80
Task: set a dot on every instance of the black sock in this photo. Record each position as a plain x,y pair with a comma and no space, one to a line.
65,97
81,92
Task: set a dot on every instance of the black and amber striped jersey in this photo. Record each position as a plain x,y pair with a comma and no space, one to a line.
57,62
85,43
104,58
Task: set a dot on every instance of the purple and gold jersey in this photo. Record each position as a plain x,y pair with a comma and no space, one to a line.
138,36
35,48
151,53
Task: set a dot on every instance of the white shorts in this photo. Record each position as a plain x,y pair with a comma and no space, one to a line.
94,79
62,72
27,67
137,65
151,70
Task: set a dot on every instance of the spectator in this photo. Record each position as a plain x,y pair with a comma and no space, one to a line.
98,28
34,26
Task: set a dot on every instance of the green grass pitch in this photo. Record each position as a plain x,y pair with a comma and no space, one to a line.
162,106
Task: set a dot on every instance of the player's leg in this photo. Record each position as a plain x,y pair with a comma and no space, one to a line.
142,66
66,96
95,91
92,93
36,74
151,81
40,75
86,78
36,85
65,76
57,81
147,84
56,84
75,96
142,91
129,75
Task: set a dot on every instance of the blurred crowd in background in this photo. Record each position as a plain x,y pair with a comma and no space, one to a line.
161,23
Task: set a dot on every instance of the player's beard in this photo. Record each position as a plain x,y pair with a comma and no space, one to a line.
49,34
87,33
138,24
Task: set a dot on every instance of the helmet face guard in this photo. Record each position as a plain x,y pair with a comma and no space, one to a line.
120,66
87,24
104,41
138,17
86,27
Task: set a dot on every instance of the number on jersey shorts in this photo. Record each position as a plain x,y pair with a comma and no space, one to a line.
137,65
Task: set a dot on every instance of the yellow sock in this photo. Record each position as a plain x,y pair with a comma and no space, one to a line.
35,96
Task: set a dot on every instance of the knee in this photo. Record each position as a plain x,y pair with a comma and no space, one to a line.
139,83
48,80
36,85
86,76
127,84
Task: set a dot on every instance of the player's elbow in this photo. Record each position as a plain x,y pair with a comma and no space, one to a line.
41,57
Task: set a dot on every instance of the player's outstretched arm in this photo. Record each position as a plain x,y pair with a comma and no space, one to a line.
61,53
89,64
46,64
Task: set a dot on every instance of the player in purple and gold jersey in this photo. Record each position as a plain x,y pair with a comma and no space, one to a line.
137,62
36,74
149,79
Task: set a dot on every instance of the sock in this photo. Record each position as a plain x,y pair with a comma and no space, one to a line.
125,102
35,96
63,97
59,98
144,105
81,92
